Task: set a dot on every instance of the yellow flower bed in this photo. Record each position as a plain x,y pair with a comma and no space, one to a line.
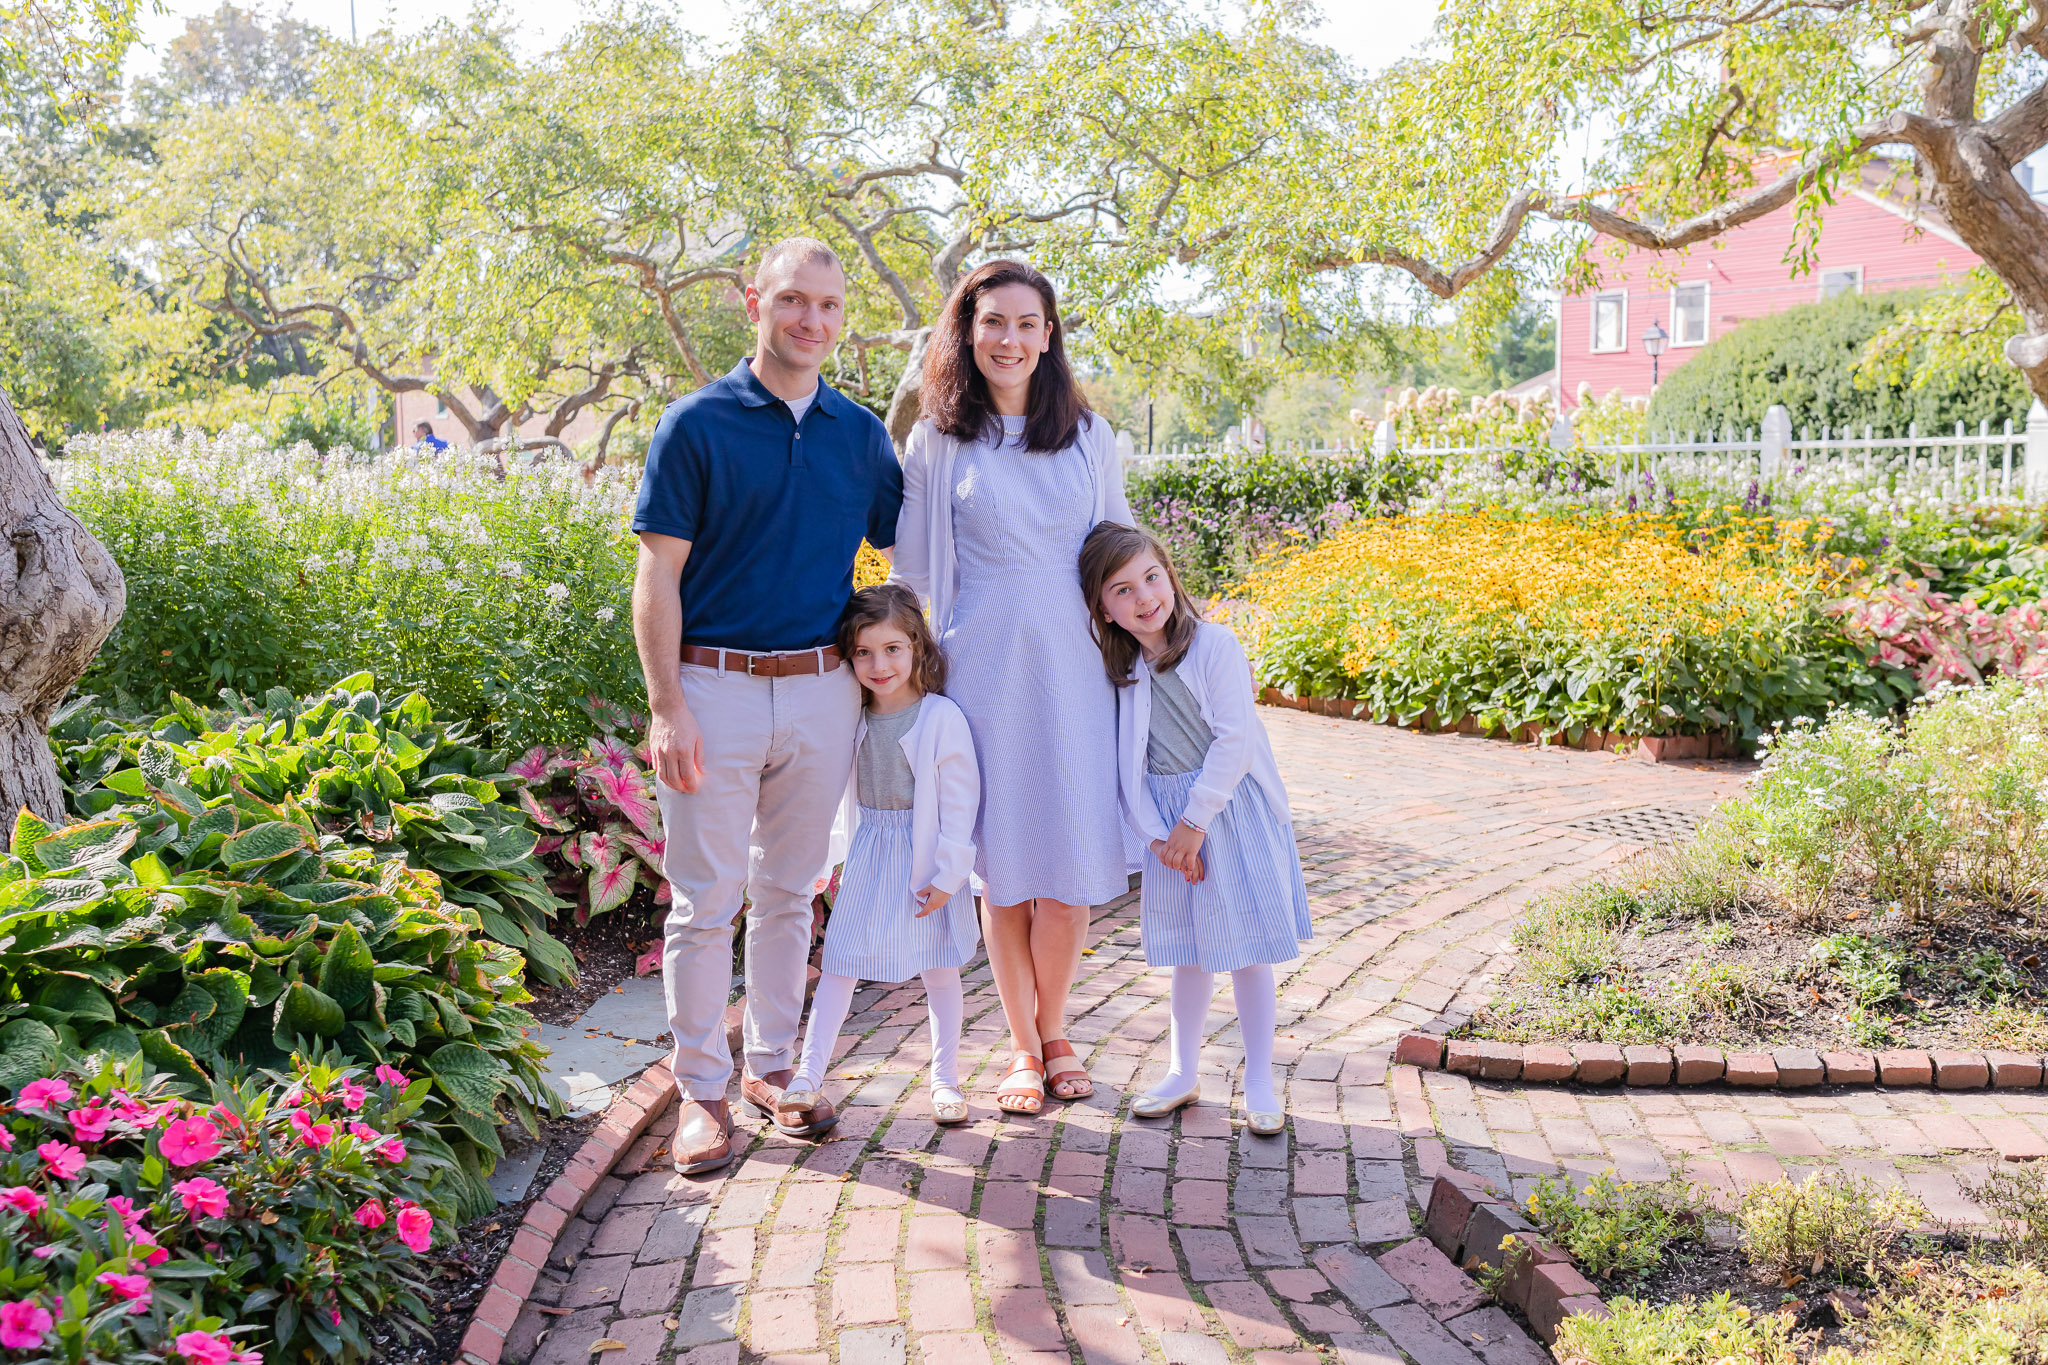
870,569
1628,623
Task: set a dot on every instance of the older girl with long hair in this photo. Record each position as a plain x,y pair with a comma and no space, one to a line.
1003,479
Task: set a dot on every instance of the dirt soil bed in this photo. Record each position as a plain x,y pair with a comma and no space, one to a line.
1868,979
460,1272
606,949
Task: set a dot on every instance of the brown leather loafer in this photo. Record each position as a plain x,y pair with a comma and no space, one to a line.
762,1095
703,1140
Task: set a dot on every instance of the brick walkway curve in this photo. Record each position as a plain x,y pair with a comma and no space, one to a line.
1086,1235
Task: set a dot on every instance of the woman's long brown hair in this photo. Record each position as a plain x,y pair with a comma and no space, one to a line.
956,395
1108,548
892,604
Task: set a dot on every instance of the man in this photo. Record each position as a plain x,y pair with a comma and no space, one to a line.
423,437
758,491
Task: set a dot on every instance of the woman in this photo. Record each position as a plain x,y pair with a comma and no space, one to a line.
1002,481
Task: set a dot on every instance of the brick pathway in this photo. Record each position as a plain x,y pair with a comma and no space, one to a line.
1085,1234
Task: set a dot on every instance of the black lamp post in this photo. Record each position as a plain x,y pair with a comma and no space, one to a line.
1654,342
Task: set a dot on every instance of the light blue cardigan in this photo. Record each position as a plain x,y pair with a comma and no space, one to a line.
1219,677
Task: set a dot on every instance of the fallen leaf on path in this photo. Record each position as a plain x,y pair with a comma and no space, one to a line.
606,1344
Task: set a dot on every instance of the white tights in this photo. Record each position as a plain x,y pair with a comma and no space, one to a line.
1252,991
944,1000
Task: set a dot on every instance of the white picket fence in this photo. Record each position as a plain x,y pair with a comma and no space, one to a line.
2003,462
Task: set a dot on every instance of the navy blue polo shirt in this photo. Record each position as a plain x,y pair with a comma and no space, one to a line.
774,512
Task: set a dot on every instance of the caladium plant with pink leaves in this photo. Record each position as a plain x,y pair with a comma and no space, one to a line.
1905,624
596,801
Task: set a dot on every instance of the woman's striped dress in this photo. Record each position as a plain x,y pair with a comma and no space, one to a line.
1252,905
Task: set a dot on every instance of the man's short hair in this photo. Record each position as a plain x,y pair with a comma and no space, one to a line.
418,427
792,252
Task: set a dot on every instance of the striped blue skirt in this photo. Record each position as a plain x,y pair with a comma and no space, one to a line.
873,932
1251,907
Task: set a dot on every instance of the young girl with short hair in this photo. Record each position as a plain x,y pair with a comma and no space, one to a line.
909,813
1223,890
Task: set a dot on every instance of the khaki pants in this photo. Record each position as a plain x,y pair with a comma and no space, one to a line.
777,754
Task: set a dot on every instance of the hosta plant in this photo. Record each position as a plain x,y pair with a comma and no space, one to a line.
209,935
283,1220
384,774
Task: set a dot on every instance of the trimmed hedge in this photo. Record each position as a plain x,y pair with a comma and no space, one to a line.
1806,358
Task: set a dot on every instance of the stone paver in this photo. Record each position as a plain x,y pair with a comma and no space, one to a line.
1084,1234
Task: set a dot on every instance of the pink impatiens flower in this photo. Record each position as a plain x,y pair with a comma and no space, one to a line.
205,1348
43,1094
390,1075
187,1142
393,1150
64,1160
22,1199
23,1325
89,1124
132,1289
203,1196
153,1255
352,1096
371,1214
415,1226
131,1217
363,1132
311,1133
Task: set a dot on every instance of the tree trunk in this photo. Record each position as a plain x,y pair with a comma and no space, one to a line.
2007,227
60,594
906,405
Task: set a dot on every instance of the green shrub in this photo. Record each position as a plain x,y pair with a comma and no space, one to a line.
285,1219
1219,516
384,775
209,935
1834,1222
1615,1228
506,598
1806,359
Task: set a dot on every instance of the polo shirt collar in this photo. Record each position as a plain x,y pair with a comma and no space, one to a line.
748,388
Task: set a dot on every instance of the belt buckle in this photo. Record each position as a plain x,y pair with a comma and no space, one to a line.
753,659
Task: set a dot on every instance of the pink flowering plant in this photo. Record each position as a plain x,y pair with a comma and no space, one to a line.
285,1219
1905,625
596,805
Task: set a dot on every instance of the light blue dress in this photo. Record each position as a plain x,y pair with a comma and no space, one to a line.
1024,669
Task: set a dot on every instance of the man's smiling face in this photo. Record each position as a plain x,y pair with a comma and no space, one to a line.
798,310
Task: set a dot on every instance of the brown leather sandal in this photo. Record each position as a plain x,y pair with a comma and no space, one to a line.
1071,1084
1023,1089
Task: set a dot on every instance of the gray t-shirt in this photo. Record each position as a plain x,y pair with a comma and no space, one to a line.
884,781
1179,737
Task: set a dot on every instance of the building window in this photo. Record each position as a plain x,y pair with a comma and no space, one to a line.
440,406
1689,315
1610,322
1848,280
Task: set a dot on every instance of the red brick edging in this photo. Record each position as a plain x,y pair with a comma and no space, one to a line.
1785,1068
1655,748
1467,1222
623,1123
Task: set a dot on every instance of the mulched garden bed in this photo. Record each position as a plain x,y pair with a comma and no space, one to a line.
460,1272
1869,979
606,949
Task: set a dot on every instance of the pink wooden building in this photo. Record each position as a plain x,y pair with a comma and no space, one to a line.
1874,238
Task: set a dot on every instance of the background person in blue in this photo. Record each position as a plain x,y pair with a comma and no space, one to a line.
423,436
758,490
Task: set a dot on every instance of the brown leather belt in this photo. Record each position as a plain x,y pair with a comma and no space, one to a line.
807,664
